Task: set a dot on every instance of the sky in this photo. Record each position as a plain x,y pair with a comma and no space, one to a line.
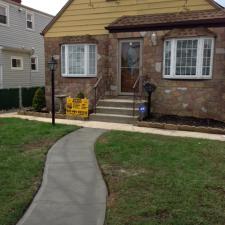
53,6
49,6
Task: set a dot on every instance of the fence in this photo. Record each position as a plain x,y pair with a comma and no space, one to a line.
16,97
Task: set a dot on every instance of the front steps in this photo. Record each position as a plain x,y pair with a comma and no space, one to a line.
115,110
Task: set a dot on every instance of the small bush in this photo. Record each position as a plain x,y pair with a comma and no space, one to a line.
39,100
80,95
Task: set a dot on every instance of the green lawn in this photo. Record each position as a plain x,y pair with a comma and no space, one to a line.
162,180
23,148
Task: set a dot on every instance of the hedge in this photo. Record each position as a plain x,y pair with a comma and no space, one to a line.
10,98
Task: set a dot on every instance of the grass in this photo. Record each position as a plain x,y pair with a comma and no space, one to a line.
23,148
158,180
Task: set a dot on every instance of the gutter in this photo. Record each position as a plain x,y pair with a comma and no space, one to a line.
14,49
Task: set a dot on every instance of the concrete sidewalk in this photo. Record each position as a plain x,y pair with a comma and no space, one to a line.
121,127
73,191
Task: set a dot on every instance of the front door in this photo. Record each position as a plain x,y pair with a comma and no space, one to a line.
130,64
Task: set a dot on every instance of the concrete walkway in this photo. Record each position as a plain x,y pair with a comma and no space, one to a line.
73,191
121,127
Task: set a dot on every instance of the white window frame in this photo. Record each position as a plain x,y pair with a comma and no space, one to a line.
36,62
199,67
86,74
17,58
7,14
32,20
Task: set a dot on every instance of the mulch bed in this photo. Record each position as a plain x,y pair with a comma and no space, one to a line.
190,121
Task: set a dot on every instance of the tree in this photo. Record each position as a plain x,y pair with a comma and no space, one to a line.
39,100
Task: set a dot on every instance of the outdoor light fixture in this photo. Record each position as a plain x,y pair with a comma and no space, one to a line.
52,64
154,38
52,67
142,111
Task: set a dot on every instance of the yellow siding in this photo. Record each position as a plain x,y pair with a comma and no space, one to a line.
91,17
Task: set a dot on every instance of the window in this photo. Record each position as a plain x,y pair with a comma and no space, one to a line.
79,60
188,58
30,21
17,63
3,14
34,63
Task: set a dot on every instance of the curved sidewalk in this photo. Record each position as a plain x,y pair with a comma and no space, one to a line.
73,191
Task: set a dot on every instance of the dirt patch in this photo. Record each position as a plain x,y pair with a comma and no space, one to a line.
103,140
2,124
38,144
162,214
218,190
118,171
111,200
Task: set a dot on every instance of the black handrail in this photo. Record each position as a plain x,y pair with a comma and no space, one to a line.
95,90
134,93
138,92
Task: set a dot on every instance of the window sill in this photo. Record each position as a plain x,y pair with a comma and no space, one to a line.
17,69
4,25
187,78
31,30
79,76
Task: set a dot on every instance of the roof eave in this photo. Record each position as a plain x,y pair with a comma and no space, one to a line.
215,4
56,17
166,26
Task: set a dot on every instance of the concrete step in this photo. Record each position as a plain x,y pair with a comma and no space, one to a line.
113,118
129,97
116,110
119,103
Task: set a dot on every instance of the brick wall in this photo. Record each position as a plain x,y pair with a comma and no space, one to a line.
69,85
198,98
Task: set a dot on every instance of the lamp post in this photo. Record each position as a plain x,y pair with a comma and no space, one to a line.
52,66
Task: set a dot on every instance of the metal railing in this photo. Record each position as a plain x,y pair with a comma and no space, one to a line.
99,91
138,93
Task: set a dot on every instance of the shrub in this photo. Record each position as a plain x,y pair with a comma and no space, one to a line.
39,100
80,95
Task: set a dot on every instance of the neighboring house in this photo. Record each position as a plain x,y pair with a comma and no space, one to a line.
177,45
22,61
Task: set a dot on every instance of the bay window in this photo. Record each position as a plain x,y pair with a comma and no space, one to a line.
79,60
189,58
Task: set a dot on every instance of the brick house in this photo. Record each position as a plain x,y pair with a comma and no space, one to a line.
117,45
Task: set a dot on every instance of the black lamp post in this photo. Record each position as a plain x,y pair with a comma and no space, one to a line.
52,66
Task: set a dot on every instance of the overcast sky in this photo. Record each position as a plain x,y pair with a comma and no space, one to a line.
53,6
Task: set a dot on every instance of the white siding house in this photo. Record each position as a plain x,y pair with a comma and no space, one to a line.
21,45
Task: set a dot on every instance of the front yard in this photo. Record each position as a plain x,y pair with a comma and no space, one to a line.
156,180
23,148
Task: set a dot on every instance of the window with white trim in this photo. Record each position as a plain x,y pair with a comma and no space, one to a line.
30,21
34,63
16,63
189,58
4,14
79,60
